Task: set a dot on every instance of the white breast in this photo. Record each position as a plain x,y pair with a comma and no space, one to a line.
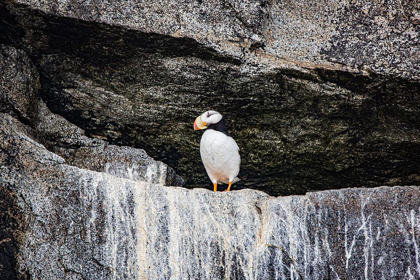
220,155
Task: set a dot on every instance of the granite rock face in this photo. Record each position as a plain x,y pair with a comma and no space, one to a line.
19,84
382,36
72,223
28,170
70,142
85,87
317,94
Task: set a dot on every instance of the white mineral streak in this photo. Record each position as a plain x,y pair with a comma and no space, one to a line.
87,222
97,226
156,172
415,227
212,233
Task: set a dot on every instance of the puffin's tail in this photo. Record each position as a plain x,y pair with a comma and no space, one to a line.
235,180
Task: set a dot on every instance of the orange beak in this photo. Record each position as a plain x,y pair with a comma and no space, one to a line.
195,125
199,124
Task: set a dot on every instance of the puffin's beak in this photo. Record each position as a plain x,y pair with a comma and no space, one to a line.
198,124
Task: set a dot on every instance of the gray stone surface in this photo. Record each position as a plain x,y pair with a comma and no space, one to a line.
379,36
19,84
70,142
81,224
317,94
27,168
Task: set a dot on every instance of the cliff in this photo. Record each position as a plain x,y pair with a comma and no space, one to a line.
318,95
97,102
63,222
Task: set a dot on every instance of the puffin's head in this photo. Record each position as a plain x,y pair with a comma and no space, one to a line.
206,119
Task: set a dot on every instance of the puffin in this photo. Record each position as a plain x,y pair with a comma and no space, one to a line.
219,152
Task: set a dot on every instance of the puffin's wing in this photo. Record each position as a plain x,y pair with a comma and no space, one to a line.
235,160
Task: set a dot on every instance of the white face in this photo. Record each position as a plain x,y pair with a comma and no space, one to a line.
211,117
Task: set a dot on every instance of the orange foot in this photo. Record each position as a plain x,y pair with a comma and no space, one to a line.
228,189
